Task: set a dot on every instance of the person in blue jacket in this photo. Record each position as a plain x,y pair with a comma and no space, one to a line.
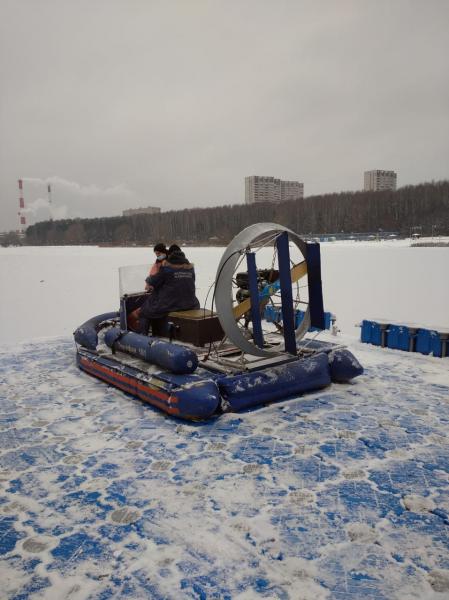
173,288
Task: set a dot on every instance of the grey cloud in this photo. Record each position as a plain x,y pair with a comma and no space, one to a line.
173,103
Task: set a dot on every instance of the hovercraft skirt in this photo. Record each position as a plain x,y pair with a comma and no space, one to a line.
276,383
187,397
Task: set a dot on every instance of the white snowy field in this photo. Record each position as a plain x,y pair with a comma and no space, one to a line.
48,292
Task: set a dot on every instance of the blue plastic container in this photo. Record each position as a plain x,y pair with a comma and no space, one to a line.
401,337
428,342
366,331
398,337
423,341
376,334
299,316
273,314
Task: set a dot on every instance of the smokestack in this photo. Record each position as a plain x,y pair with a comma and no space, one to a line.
49,193
22,219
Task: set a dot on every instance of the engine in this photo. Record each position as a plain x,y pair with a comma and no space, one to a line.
264,277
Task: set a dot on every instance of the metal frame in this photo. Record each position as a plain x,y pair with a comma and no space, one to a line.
223,285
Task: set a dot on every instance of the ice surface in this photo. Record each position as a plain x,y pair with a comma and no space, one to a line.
338,494
343,493
51,291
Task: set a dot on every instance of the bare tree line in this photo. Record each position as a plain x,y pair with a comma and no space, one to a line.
425,206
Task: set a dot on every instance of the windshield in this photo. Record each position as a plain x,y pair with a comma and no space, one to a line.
132,279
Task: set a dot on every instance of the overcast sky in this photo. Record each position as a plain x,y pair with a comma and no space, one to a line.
127,103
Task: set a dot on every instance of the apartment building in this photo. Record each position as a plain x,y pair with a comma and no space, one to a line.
269,189
378,180
291,190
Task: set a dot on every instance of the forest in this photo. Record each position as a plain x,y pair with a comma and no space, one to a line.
423,207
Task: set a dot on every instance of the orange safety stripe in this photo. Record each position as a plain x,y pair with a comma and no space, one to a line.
134,384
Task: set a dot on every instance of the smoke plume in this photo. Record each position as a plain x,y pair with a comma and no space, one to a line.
70,199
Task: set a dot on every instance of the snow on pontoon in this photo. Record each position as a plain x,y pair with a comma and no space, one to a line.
252,350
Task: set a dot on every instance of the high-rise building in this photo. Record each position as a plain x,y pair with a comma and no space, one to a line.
291,190
269,189
378,180
149,210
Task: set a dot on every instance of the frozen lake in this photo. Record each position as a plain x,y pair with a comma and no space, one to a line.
49,291
339,494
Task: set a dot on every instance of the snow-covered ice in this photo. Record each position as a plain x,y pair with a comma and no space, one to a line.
338,494
49,291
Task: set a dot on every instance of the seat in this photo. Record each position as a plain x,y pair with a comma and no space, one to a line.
198,326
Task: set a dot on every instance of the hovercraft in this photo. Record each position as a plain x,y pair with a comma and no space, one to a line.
250,348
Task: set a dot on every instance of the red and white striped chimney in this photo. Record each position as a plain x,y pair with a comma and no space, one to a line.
22,218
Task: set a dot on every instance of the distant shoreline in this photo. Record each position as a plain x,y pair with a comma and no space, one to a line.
430,245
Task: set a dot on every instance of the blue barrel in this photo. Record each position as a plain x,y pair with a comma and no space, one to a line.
428,341
372,332
366,331
434,343
272,314
398,337
299,316
423,343
376,334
